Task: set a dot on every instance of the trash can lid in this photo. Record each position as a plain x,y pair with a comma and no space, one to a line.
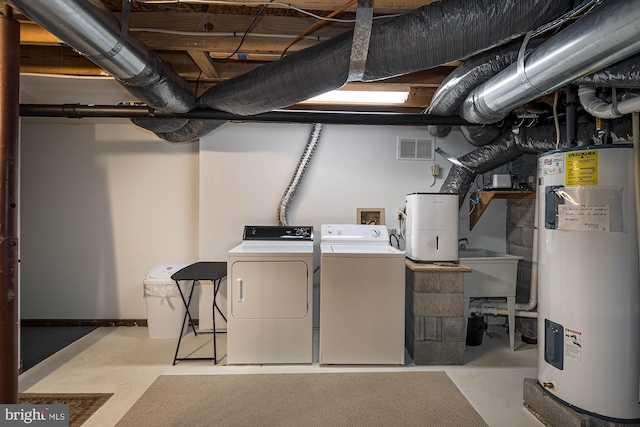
162,273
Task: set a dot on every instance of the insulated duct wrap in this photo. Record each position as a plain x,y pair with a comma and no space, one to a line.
512,145
429,36
298,176
472,73
480,135
606,35
92,30
624,74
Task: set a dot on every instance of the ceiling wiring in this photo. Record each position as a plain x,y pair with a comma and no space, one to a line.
283,5
244,36
221,34
318,24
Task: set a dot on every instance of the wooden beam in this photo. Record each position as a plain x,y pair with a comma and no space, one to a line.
204,62
56,60
381,6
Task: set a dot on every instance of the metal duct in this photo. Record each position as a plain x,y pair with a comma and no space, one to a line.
481,135
427,37
455,88
416,41
296,180
92,30
533,140
606,35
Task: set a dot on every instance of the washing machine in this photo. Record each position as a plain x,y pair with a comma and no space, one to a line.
362,296
270,296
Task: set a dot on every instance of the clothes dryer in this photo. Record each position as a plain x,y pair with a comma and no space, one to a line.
362,296
270,296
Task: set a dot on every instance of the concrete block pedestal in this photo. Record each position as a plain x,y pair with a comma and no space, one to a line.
434,314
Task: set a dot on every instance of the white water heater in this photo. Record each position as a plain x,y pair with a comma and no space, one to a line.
431,227
589,302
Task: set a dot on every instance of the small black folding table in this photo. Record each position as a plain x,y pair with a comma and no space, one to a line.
214,271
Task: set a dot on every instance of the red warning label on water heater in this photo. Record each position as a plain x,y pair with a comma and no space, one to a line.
573,344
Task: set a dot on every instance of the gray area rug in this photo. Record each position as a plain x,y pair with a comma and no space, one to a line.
317,399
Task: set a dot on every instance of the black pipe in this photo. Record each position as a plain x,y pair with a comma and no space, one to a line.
77,111
572,104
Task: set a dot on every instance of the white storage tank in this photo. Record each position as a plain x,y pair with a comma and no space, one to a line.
431,227
589,302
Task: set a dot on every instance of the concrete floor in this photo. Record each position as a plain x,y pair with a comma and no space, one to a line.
124,361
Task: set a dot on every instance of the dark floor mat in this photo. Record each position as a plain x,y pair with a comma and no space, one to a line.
39,342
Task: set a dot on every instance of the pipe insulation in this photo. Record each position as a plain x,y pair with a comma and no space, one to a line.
514,143
425,38
92,30
606,35
623,74
455,88
298,176
400,45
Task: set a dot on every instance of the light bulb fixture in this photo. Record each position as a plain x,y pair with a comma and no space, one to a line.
360,97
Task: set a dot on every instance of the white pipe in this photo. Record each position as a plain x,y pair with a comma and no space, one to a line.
533,289
606,35
599,108
502,312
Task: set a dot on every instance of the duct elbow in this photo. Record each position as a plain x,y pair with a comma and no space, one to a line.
474,110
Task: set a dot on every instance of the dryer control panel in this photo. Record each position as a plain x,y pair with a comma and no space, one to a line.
269,232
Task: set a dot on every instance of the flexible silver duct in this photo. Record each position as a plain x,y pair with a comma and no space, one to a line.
608,34
91,29
427,37
298,176
513,144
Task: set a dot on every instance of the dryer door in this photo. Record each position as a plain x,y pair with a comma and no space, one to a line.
269,290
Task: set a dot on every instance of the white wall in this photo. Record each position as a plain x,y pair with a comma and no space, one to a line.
246,168
100,205
103,200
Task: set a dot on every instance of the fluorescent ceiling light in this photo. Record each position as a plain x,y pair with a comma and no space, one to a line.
361,97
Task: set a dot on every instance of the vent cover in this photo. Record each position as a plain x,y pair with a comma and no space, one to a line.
415,149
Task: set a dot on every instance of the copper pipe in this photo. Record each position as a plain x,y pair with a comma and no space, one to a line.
9,120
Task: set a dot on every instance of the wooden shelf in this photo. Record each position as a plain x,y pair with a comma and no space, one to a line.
487,196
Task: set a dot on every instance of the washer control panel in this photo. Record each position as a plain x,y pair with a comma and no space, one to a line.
354,234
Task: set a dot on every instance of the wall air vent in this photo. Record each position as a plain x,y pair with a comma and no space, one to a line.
415,149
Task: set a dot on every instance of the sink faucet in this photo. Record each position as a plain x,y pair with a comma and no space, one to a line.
462,244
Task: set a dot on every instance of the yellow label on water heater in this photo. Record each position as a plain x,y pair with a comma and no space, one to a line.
581,168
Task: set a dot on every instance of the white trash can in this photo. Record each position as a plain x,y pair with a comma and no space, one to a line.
165,309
